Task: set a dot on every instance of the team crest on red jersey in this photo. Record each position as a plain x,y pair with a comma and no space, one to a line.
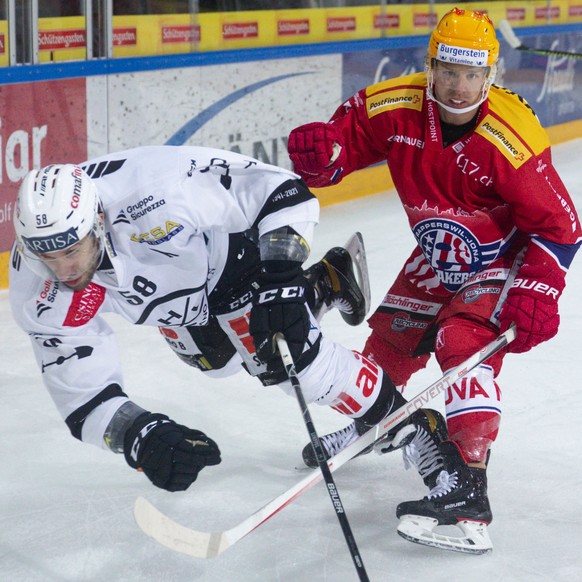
453,251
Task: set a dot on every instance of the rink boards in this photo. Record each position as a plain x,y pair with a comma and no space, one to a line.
244,100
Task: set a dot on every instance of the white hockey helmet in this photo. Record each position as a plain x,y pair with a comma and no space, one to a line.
57,206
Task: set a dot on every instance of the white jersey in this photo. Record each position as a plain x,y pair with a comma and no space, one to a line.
168,215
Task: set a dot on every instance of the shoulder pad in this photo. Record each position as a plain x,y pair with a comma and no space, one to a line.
512,126
398,93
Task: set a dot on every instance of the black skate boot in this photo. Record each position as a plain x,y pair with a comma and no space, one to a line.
420,447
336,286
418,436
459,498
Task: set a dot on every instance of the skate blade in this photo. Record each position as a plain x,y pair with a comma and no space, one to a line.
420,530
357,251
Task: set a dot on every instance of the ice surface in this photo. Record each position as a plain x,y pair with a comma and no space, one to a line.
66,508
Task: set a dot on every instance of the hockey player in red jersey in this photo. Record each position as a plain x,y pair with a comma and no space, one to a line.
496,232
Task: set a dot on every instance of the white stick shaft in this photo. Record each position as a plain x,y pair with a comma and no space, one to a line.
515,43
508,34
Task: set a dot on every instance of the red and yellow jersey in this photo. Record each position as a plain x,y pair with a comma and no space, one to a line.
465,202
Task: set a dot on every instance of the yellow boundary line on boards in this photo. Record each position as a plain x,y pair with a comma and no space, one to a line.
4,270
366,182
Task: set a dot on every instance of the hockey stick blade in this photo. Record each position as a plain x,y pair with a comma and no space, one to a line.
200,544
509,35
514,42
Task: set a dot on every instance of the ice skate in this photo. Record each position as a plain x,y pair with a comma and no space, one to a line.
419,447
341,281
459,498
418,438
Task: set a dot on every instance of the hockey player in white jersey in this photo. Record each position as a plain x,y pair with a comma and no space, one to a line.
205,244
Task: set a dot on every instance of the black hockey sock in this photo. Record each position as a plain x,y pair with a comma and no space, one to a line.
387,402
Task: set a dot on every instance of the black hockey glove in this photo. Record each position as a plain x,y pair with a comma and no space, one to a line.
280,306
171,455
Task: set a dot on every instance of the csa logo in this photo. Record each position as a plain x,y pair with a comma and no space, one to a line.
158,234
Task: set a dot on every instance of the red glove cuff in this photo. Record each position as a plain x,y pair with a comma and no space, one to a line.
532,303
311,149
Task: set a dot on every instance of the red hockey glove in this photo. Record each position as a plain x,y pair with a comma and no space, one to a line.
311,149
532,303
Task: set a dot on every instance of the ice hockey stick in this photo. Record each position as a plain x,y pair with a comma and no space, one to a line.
200,544
514,42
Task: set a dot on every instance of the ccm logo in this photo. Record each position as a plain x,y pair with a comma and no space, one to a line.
537,287
282,293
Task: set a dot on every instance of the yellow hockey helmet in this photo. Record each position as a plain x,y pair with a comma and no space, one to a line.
464,37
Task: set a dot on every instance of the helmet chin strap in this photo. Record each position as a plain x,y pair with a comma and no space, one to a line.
431,93
458,111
